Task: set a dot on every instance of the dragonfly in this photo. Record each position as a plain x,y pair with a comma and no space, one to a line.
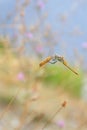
54,59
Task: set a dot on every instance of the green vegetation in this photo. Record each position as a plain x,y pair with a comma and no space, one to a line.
60,76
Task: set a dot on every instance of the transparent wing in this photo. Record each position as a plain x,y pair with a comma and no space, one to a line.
53,61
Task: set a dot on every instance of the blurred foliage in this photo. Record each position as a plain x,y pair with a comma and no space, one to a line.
60,76
52,75
5,99
26,36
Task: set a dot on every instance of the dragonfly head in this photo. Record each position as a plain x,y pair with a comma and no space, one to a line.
59,58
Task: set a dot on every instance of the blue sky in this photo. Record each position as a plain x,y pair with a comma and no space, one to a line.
74,10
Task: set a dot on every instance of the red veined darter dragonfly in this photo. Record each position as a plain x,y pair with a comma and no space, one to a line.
54,59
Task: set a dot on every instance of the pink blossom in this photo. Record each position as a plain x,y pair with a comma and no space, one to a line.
20,76
61,124
15,35
29,35
40,4
84,45
39,49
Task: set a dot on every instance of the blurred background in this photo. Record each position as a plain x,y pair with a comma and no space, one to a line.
31,97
